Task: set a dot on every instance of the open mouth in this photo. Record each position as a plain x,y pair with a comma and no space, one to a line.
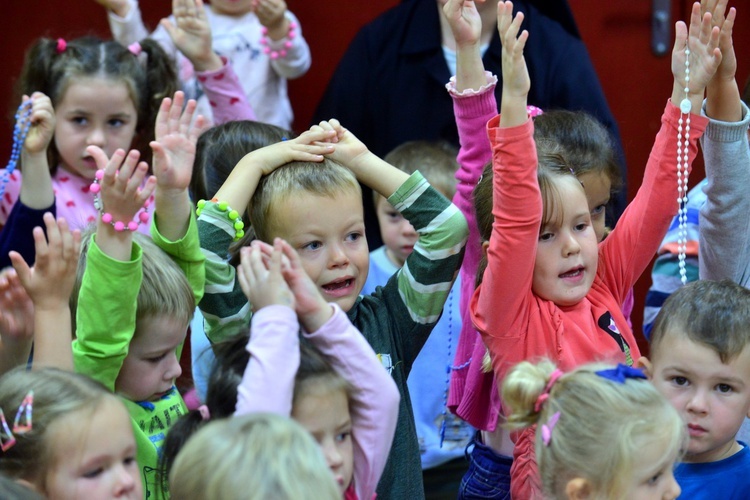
573,273
339,287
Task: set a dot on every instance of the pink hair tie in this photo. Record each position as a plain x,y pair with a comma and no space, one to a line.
205,414
61,45
533,111
547,428
544,396
135,48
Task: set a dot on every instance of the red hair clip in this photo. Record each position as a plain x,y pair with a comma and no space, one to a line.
61,45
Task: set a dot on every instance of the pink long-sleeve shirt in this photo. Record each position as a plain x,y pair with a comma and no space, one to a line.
268,383
517,325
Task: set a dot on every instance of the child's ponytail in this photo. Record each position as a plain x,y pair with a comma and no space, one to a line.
522,389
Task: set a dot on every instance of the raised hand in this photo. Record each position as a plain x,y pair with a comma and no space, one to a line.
309,146
722,92
176,134
348,148
703,41
516,81
191,34
16,309
312,309
50,282
260,276
42,124
463,18
271,15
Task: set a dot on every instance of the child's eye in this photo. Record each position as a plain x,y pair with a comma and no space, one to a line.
655,479
79,120
680,381
355,236
724,388
545,236
340,438
156,359
582,226
91,474
116,122
598,210
313,245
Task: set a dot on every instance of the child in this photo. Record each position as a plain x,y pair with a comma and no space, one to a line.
700,361
261,38
442,436
133,303
71,438
715,208
543,256
588,145
602,430
256,456
317,208
102,94
329,387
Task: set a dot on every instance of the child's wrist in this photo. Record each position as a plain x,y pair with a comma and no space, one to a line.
209,63
279,29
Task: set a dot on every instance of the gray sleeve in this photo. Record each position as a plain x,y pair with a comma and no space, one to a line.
725,218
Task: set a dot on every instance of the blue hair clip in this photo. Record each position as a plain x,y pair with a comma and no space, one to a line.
620,373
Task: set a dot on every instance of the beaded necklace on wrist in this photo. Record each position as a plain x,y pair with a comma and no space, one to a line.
20,131
683,150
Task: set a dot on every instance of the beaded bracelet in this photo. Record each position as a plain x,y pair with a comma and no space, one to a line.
107,217
232,215
20,131
275,54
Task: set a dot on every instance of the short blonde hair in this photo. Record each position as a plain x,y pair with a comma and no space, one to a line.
326,178
165,289
602,428
256,456
435,160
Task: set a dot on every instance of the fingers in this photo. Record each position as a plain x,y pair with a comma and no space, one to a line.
21,271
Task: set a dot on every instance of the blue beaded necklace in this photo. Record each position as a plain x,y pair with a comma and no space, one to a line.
20,131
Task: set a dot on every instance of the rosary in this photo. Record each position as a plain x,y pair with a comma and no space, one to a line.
682,171
20,131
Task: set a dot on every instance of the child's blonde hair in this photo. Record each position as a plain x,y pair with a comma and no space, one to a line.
326,179
165,289
435,160
602,426
57,394
253,456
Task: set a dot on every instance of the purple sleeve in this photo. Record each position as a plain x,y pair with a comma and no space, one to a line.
374,400
225,94
268,382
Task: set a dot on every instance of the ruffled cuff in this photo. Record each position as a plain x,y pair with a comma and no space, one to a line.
491,83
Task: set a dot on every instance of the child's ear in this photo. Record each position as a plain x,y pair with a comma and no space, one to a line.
485,246
578,488
644,363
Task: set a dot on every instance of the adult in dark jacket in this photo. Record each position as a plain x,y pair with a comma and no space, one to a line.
389,86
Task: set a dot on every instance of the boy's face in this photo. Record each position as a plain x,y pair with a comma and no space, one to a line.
399,236
152,363
712,397
329,236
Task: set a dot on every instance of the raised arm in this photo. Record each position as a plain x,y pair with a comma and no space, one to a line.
724,228
49,284
284,37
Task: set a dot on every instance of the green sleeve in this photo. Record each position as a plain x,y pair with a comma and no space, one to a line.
426,278
105,317
224,305
186,253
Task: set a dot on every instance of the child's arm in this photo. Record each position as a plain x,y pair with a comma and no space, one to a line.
284,36
374,401
49,285
724,227
16,321
224,305
174,229
105,317
126,22
191,34
268,381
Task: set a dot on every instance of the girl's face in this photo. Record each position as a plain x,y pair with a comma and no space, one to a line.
325,414
567,251
94,455
93,112
653,476
598,187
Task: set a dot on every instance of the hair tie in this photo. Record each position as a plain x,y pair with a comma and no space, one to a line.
61,45
554,377
546,429
205,413
621,373
135,48
533,111
22,424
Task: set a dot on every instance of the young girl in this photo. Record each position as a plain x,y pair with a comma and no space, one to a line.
329,384
101,94
543,258
135,297
603,431
260,455
71,438
261,38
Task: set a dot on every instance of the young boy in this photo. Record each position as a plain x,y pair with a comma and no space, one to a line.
443,437
700,361
316,205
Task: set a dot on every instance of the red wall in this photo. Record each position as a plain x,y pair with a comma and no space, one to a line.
636,82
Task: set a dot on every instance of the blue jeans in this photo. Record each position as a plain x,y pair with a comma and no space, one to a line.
488,475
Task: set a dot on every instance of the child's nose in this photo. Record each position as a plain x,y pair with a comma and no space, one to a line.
337,256
333,456
407,229
571,246
125,482
174,370
96,137
698,402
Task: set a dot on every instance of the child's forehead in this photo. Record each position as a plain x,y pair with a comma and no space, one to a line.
676,347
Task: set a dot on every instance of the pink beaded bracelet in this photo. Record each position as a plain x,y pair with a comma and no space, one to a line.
107,217
275,54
